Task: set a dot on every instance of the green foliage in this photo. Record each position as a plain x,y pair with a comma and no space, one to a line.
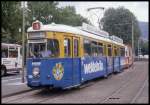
43,10
46,12
67,15
144,47
11,21
119,22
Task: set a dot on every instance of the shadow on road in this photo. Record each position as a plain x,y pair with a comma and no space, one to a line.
11,74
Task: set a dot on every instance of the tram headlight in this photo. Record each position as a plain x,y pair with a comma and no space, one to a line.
36,71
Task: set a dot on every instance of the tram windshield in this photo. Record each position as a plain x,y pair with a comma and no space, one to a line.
48,49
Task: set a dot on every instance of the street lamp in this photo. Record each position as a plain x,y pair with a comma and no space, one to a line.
139,49
133,53
23,33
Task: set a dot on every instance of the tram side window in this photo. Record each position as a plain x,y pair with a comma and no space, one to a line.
13,53
130,52
5,53
67,48
94,48
122,51
21,51
109,50
126,53
76,48
115,51
53,47
87,47
100,49
105,49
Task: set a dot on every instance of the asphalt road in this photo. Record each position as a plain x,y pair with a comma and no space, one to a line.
130,86
12,83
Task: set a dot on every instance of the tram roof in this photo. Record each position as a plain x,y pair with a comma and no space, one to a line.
10,45
70,29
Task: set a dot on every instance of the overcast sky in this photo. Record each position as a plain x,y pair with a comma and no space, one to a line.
139,9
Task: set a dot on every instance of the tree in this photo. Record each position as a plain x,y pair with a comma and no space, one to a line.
68,16
144,47
48,12
119,22
10,27
41,11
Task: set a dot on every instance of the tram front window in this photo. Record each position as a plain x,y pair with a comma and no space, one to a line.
40,49
36,49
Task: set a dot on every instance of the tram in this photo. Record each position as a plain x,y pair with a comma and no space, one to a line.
11,60
62,56
128,56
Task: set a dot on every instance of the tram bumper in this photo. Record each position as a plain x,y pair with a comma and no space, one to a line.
34,84
37,82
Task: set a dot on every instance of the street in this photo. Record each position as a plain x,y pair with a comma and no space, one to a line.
130,86
11,83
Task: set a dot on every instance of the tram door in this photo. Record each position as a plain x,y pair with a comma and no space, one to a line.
76,61
71,53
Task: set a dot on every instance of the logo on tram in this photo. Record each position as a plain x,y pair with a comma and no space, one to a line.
93,67
58,71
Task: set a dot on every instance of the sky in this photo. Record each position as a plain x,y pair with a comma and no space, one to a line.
139,9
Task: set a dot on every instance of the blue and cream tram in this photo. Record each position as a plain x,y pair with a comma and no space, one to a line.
64,56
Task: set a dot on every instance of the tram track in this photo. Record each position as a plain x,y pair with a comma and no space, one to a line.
17,96
13,94
44,95
124,85
123,81
139,92
41,94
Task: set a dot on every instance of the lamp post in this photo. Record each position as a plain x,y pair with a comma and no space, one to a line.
23,49
138,50
133,53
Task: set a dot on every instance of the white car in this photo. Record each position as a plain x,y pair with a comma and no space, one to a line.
11,60
146,56
140,56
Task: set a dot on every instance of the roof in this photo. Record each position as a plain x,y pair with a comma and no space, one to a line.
69,29
10,45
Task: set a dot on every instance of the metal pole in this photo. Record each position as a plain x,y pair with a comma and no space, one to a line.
23,49
133,44
138,50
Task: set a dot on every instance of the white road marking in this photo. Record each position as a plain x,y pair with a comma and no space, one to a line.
10,79
17,83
